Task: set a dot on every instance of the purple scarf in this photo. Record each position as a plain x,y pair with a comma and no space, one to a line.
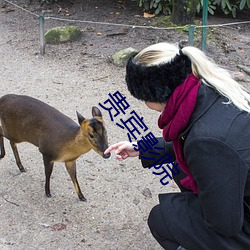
175,118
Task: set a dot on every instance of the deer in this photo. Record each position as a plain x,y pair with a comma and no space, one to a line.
58,138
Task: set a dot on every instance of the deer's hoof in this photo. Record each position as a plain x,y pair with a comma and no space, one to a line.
82,198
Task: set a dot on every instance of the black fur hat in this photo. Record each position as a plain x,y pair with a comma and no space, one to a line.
156,83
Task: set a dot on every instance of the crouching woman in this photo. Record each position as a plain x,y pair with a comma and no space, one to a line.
205,121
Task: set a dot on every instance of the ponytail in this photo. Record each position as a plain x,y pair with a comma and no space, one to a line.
218,78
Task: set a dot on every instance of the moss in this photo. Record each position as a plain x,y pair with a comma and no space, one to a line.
63,34
121,58
163,22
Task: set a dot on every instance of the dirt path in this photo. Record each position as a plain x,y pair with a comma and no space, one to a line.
115,214
74,77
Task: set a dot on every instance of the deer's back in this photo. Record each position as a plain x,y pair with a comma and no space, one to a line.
24,118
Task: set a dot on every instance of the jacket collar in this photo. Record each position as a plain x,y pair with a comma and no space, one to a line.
205,99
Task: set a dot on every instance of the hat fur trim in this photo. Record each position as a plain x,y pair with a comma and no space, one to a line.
156,83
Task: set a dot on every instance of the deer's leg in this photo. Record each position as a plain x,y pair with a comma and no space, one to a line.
48,165
71,168
1,144
18,161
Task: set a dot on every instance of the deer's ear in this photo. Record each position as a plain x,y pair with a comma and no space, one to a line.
80,118
96,111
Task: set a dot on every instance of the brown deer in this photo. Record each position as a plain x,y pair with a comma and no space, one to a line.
59,138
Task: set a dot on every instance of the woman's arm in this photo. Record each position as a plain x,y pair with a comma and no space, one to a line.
220,174
125,149
156,153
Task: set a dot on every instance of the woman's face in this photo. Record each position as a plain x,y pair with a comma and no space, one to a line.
156,106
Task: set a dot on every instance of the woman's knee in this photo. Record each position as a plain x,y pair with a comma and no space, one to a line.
159,229
153,218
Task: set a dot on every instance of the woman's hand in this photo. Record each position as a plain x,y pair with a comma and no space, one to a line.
123,150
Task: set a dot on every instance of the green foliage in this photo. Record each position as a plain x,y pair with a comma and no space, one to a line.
157,6
244,4
211,7
226,6
165,6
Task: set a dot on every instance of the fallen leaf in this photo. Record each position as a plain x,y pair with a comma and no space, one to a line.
147,193
147,15
58,227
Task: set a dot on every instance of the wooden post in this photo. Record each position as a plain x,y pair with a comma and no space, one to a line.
204,23
42,31
191,35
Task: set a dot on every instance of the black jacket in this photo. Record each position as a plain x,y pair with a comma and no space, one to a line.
216,145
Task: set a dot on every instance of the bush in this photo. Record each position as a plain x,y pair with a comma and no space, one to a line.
156,6
165,6
232,6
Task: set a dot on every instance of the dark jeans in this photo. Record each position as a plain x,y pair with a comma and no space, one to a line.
158,226
160,231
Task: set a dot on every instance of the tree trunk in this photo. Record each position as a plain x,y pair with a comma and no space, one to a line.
183,11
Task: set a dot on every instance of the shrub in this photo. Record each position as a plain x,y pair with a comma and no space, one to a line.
165,6
156,6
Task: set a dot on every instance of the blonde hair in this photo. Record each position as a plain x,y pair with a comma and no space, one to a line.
202,67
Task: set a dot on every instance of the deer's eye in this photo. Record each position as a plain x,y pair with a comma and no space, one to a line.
91,136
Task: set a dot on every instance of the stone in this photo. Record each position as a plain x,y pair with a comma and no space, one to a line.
2,3
147,193
63,34
239,76
121,58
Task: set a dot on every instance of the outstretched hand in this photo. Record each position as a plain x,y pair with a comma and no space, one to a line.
123,150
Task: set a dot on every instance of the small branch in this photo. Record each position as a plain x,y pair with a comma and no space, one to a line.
13,203
244,68
117,34
101,78
57,82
